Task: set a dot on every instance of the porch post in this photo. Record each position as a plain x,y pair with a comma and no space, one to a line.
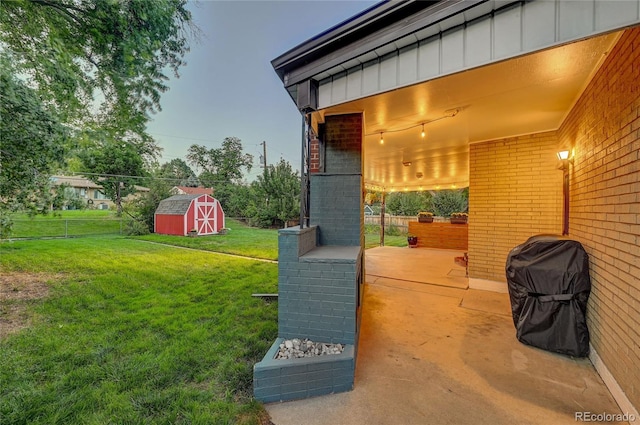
383,209
304,171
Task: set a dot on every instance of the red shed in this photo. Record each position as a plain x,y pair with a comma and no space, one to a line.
180,214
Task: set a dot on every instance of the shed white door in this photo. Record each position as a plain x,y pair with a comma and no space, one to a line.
205,215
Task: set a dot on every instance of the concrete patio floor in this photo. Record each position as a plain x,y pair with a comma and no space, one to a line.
435,354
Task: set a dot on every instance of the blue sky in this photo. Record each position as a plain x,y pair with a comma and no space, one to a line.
228,87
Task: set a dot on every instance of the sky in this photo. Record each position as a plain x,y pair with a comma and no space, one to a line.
229,88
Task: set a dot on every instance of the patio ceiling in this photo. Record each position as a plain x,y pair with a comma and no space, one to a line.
525,95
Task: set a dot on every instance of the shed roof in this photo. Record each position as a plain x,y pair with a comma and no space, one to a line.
175,205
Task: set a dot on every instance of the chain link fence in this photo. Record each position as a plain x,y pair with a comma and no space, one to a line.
67,228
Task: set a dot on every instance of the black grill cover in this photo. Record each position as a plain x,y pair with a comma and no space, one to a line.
549,285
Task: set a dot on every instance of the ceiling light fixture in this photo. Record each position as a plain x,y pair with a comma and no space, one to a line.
449,113
406,163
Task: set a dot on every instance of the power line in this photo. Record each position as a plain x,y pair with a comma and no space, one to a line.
123,176
185,138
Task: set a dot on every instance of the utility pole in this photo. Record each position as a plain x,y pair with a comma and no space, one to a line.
264,155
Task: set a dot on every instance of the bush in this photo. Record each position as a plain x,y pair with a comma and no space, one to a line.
135,228
372,229
447,202
408,203
392,230
6,225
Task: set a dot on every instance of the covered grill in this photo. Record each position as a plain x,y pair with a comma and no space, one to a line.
549,285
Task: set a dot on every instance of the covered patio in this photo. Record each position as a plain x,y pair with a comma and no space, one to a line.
428,95
434,354
416,266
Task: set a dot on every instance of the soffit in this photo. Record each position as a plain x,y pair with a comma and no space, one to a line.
524,95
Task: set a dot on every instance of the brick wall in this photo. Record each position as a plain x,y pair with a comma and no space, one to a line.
337,193
343,144
604,130
317,288
515,192
291,379
336,208
314,161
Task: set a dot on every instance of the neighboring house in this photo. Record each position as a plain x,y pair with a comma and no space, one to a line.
368,210
185,190
91,193
450,94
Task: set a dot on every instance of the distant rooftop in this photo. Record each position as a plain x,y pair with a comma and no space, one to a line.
184,190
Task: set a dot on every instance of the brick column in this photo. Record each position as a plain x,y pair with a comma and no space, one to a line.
336,192
315,156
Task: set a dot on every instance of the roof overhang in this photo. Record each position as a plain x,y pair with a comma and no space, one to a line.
385,23
507,67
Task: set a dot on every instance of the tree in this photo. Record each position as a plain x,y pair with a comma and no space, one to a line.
238,200
113,53
179,172
277,196
408,203
145,206
446,202
114,164
222,168
32,144
222,165
70,64
64,197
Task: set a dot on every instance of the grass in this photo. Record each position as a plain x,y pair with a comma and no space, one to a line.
135,333
239,240
140,333
257,243
67,223
372,240
394,236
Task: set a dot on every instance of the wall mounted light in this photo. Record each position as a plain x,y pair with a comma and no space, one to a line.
565,158
422,134
381,139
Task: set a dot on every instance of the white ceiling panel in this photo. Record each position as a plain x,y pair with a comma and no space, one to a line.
524,95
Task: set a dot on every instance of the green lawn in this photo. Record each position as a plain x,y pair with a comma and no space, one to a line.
134,333
372,240
67,223
240,239
259,243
